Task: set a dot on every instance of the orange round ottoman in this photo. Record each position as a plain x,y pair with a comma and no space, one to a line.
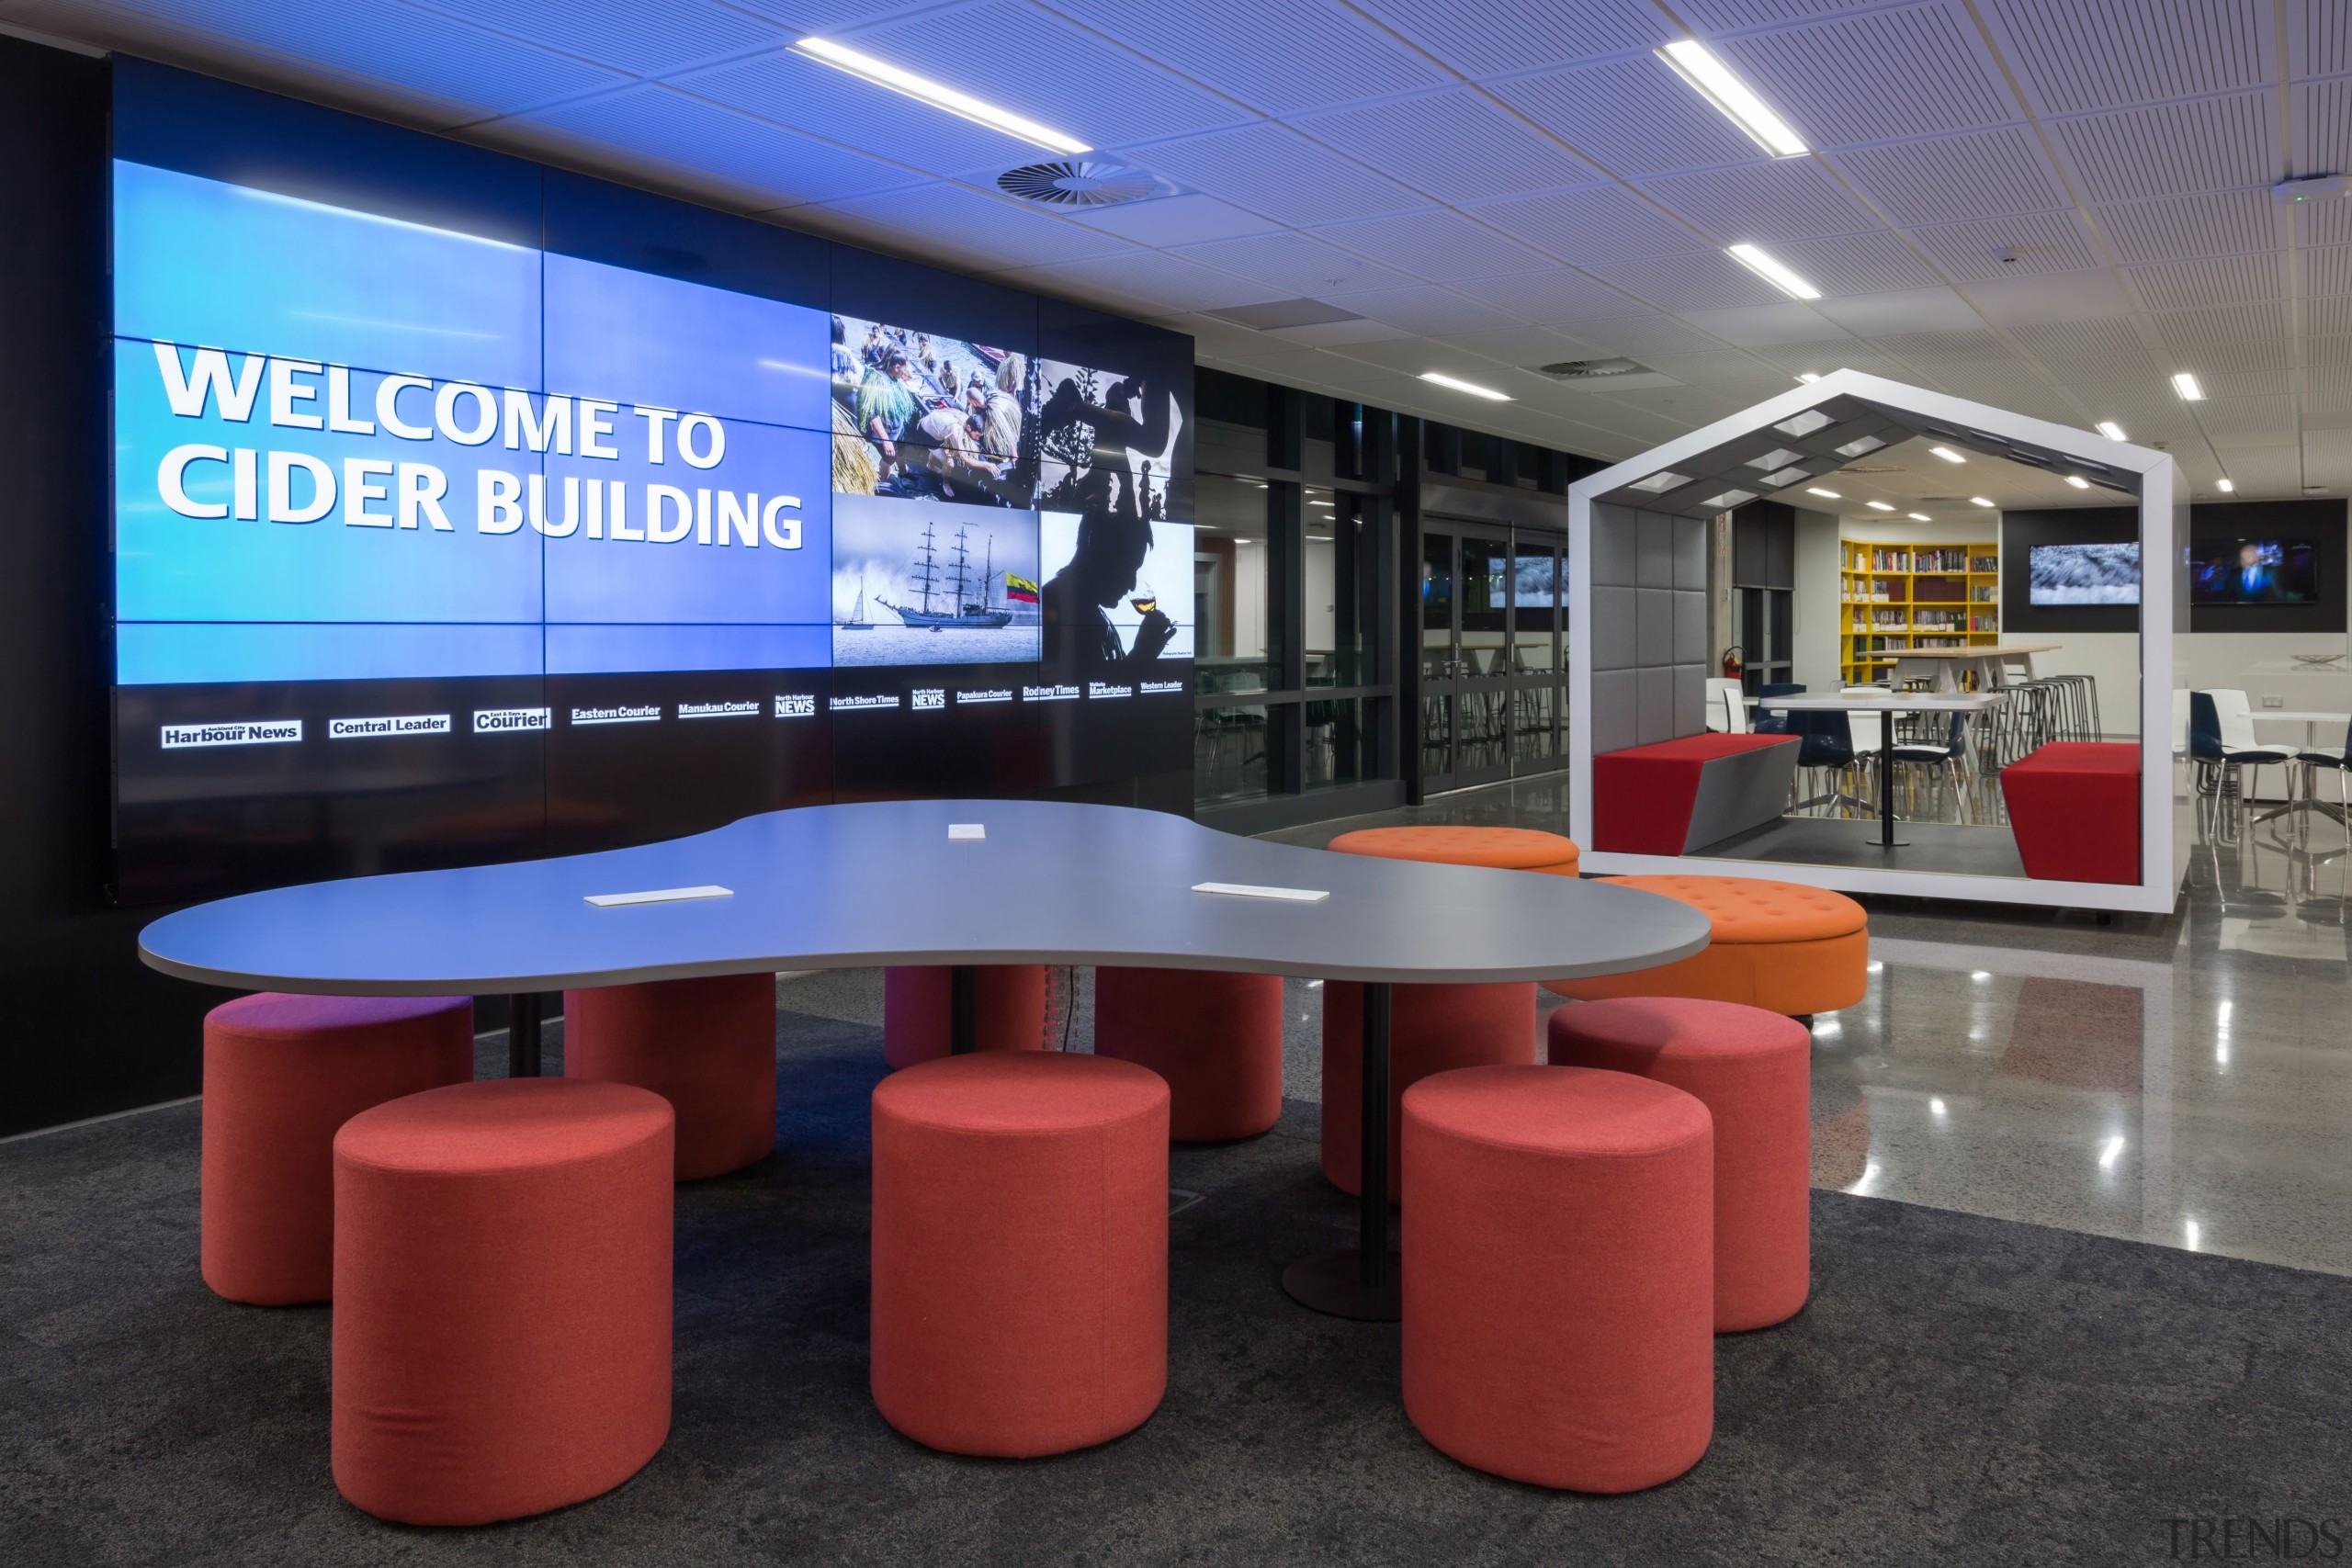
707,1046
1020,1251
1780,946
281,1074
917,1020
1753,1071
1503,849
1557,1275
1215,1037
501,1298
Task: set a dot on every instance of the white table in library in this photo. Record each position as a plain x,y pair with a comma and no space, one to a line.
1891,703
1945,666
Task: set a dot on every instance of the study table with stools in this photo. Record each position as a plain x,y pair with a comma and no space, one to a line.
1890,703
1945,667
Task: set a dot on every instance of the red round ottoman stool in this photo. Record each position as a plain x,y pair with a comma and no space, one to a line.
1558,1261
916,1017
281,1074
1782,946
1753,1071
707,1046
1215,1037
1020,1251
1432,1028
501,1298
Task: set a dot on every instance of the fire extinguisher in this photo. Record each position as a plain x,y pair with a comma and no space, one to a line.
1732,663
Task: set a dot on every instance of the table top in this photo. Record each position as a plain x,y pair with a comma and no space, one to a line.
1893,702
850,886
1996,652
2299,715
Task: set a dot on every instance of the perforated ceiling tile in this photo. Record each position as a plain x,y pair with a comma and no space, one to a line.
402,47
659,123
1752,325
1294,262
2243,417
1471,40
2030,297
1633,117
2173,148
2327,271
1017,235
2323,223
2243,355
790,90
1025,59
1555,294
2091,54
1602,223
2322,120
1820,355
1912,71
2216,280
621,33
1980,175
1457,146
1168,281
1704,281
1789,198
1945,348
2225,323
2320,37
1429,311
2218,223
1437,245
1724,16
1642,336
2229,384
2006,247
1857,264
1273,170
2002,385
2328,318
1279,58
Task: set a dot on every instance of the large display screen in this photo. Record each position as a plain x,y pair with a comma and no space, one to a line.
2254,571
432,546
2084,574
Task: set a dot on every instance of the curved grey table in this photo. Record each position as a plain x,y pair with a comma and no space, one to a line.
851,887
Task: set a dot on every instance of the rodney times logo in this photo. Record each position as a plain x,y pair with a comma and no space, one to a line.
2243,1538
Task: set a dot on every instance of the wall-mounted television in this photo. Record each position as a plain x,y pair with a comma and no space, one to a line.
2084,574
2254,571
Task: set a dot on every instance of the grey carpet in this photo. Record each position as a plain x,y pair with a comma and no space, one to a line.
1961,1389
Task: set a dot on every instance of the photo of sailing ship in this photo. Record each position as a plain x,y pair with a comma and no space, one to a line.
932,583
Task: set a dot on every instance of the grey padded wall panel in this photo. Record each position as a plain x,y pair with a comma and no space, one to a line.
1654,544
1612,629
1654,704
1690,554
1653,626
1691,629
1614,700
1614,530
1689,699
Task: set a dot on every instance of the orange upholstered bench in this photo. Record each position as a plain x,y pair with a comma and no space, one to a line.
1780,946
1504,849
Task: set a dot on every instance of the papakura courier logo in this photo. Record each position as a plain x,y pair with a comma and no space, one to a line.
285,484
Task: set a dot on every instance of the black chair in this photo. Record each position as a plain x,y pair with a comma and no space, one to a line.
2339,760
1950,756
1771,722
2218,760
1825,743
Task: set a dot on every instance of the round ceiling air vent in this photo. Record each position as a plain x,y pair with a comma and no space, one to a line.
1070,182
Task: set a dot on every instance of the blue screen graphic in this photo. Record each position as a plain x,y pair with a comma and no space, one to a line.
350,446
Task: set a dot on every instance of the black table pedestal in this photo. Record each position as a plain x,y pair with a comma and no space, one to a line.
1886,838
524,1017
963,1009
1361,1281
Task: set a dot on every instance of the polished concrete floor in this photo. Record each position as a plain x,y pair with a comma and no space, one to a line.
2184,1081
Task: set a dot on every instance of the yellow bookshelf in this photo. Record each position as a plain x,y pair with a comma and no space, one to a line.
1897,595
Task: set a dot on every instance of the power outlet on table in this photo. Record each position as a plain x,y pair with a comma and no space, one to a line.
2270,702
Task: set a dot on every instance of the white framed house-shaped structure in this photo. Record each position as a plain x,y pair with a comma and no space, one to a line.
1638,643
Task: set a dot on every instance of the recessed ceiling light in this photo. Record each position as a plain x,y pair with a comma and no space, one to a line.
1946,454
882,73
1660,482
1878,506
1825,494
1980,501
1772,272
1713,81
1918,516
2111,430
1470,387
2186,385
1808,376
2079,481
2227,487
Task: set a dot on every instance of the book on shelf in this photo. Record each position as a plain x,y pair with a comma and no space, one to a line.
1986,564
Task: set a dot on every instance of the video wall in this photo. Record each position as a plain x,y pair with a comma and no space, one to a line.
443,534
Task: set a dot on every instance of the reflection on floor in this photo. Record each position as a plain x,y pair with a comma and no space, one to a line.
1937,847
2183,1081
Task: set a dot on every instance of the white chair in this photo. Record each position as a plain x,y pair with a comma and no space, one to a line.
1726,707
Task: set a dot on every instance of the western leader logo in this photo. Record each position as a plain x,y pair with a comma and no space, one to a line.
263,732
492,721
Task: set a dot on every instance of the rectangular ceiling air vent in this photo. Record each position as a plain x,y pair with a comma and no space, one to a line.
1616,375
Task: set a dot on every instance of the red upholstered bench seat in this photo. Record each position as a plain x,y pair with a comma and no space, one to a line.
1678,795
2075,809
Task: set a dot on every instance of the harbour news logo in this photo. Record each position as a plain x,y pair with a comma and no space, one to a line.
255,732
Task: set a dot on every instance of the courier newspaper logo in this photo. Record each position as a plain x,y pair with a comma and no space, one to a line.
275,481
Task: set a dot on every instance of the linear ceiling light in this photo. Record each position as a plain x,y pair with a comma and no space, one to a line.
2186,385
882,73
1808,376
1980,501
1918,516
1946,454
2227,487
1825,494
1772,272
2079,481
2111,430
1713,81
1470,387
1878,506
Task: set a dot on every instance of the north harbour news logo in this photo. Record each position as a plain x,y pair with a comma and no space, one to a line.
246,732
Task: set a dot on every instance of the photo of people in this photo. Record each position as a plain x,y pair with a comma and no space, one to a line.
919,416
1104,618
1101,439
930,584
